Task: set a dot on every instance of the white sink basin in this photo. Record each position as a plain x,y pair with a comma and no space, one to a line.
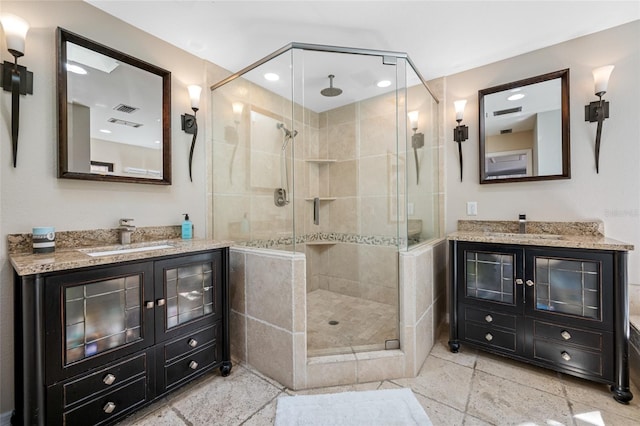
123,250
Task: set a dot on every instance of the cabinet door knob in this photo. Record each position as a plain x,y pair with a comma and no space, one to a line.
519,281
193,365
109,407
160,302
530,283
149,305
193,343
109,379
489,337
565,335
566,356
488,318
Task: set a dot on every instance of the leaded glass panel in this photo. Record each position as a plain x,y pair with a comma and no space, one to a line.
189,291
490,276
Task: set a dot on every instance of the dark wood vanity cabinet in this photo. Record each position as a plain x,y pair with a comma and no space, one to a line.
95,344
560,308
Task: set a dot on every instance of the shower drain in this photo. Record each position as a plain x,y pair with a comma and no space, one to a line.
334,322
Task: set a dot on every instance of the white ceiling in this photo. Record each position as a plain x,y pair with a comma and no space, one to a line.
441,37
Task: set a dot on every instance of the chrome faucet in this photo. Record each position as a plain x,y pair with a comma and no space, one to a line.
126,228
523,223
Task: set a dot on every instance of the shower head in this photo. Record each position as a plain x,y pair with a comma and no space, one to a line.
331,91
287,133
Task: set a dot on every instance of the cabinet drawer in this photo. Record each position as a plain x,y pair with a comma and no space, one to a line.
490,336
574,336
96,411
488,317
189,365
104,379
570,357
189,343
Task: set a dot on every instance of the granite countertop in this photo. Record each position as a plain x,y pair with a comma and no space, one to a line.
581,234
73,248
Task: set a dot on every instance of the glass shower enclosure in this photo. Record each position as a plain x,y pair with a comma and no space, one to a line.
331,152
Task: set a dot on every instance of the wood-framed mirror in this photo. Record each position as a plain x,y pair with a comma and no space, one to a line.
114,114
524,130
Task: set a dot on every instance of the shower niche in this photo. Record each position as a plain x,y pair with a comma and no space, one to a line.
310,148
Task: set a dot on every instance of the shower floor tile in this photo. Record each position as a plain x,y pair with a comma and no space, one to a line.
362,325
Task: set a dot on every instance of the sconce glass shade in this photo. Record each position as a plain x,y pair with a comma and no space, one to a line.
413,119
459,106
194,94
15,32
237,108
601,78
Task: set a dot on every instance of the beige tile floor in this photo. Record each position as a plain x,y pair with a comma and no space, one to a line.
362,324
467,388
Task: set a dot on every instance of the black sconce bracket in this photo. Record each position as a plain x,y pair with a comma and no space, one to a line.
460,134
190,126
26,83
597,111
19,81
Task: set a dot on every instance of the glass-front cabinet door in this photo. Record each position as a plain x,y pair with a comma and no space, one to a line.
491,274
188,290
568,283
101,312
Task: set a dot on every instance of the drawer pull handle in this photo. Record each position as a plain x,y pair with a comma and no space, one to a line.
160,302
519,281
193,365
488,318
565,335
109,379
193,343
149,305
530,283
109,407
566,356
489,337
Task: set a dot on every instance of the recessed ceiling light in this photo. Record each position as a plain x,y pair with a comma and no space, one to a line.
383,83
157,142
76,69
515,97
271,76
105,131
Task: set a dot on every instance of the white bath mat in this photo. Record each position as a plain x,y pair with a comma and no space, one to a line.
380,408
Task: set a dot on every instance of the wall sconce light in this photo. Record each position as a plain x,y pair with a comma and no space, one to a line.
15,78
189,123
599,110
237,108
460,132
417,140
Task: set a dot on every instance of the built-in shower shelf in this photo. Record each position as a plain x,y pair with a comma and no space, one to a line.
320,160
322,199
320,243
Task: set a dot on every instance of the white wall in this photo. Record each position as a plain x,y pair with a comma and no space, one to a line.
32,195
613,195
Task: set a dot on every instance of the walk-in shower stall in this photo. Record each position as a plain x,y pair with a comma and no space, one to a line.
331,153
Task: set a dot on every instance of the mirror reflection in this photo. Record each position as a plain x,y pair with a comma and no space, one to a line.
524,129
113,114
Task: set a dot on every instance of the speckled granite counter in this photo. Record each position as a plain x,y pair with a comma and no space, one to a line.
72,248
583,234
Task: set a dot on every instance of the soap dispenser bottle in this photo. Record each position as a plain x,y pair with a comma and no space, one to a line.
187,228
